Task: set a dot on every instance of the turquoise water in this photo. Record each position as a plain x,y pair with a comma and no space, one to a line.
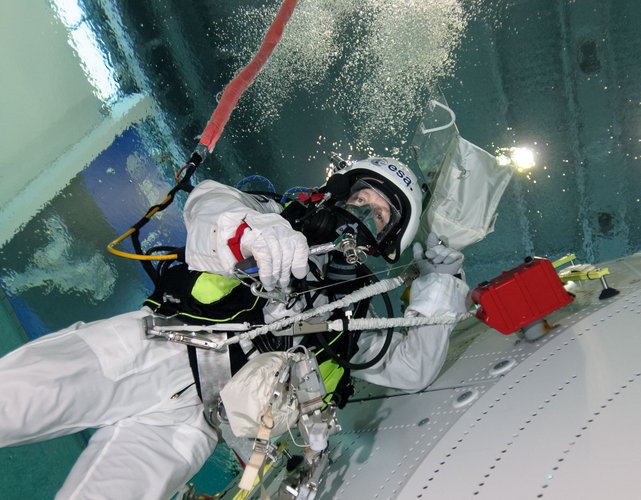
560,77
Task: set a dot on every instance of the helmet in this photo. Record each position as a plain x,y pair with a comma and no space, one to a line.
399,186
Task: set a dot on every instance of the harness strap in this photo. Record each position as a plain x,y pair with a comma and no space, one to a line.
193,364
212,370
257,460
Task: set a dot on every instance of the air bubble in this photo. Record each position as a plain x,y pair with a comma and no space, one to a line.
375,88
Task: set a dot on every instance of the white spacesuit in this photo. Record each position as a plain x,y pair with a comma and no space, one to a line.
140,395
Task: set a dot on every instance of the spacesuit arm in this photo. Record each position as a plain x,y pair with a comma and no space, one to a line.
414,360
225,226
212,214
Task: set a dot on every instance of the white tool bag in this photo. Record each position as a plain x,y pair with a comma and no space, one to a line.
463,206
251,391
466,182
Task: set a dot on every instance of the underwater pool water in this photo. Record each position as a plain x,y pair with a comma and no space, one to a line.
559,77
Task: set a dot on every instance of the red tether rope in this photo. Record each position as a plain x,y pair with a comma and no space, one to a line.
237,86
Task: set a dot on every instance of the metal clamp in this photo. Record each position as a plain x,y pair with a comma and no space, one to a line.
241,275
410,273
261,445
173,330
267,448
302,328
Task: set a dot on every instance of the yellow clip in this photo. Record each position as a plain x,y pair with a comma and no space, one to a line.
583,272
563,260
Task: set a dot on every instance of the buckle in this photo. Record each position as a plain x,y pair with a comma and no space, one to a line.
262,446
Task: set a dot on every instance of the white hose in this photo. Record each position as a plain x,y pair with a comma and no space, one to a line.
356,296
366,292
444,318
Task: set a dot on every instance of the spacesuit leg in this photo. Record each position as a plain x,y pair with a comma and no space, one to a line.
147,457
88,375
139,393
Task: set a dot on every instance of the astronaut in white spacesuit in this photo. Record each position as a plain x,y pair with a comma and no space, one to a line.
139,394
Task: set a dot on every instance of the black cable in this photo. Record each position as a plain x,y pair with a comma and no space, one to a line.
161,248
275,196
161,269
183,185
388,339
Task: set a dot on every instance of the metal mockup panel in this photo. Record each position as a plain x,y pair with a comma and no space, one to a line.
508,418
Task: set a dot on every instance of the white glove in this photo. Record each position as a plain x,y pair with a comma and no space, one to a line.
278,249
437,258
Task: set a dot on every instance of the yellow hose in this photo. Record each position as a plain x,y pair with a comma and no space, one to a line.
135,256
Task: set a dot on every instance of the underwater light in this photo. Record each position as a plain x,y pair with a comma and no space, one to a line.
523,158
520,158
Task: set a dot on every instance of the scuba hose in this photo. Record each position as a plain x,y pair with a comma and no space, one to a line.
345,363
145,258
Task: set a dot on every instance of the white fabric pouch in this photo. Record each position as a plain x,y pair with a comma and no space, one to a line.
468,189
253,389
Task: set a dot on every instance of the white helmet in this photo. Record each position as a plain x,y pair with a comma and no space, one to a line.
401,188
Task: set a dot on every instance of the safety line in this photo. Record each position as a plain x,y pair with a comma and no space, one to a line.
237,86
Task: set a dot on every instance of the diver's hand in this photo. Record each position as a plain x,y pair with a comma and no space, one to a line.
437,258
278,249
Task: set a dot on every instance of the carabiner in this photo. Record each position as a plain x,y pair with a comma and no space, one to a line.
277,295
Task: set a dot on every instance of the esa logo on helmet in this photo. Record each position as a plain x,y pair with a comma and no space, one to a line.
380,162
401,174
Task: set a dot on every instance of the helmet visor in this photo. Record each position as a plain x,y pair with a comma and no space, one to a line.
373,208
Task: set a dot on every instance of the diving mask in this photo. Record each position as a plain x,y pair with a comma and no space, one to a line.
373,208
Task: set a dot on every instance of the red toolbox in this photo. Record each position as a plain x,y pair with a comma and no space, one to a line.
520,296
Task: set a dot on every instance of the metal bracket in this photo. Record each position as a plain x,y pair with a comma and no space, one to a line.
410,273
303,328
172,329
